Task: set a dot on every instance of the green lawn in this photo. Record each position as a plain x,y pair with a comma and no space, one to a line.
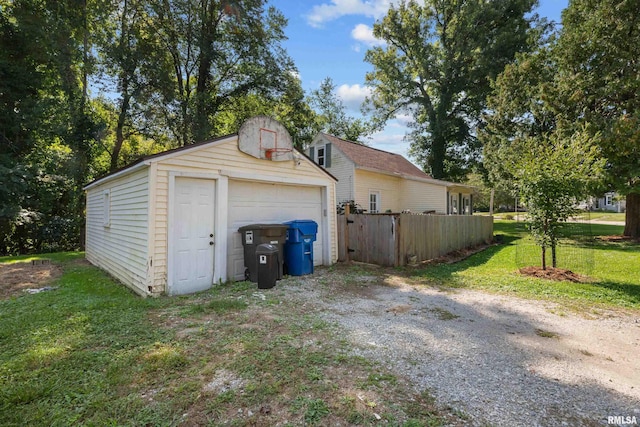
604,216
92,353
615,272
593,215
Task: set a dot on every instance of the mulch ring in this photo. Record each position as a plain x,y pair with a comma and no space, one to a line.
618,238
557,274
16,278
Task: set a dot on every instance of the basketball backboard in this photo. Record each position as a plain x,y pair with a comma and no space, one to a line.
265,138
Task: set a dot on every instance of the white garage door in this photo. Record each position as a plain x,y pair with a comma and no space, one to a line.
260,203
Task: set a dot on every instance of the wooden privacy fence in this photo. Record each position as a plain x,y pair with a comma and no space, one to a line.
393,239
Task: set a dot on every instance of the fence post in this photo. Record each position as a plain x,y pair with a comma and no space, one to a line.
347,211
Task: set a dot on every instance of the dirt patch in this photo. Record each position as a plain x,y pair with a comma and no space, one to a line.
455,256
557,274
16,278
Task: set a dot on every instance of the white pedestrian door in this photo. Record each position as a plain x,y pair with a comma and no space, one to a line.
193,235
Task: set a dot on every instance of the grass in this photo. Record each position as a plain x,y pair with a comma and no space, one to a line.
592,215
615,272
93,353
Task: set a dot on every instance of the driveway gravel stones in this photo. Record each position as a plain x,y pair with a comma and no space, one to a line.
501,360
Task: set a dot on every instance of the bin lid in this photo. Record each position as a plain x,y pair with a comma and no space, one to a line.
306,226
266,248
262,227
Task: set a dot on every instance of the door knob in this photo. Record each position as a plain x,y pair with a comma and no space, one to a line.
211,243
211,235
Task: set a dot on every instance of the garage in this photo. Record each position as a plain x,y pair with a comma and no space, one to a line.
273,203
169,222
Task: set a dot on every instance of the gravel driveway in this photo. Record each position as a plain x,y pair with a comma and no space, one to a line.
501,360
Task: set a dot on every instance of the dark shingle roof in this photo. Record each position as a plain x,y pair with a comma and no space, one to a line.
372,158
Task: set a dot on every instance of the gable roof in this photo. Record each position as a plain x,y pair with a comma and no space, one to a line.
381,161
146,160
373,158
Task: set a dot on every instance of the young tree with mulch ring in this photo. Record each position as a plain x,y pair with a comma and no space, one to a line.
555,174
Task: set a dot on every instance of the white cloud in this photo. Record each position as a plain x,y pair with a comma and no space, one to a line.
353,95
364,34
326,12
393,142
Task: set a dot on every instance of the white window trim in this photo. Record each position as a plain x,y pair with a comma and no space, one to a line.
320,159
608,200
106,208
377,194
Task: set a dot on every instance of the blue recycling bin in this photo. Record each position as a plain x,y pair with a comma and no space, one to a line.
298,246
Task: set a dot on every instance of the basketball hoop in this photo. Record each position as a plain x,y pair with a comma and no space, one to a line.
264,138
276,153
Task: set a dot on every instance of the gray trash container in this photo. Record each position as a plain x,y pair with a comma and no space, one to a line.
268,262
256,234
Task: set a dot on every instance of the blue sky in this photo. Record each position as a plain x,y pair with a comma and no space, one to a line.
329,38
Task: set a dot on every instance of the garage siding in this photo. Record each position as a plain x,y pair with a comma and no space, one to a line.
222,158
251,203
120,246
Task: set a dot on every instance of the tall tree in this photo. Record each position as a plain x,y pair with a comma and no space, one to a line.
217,51
332,116
124,47
585,77
45,63
598,81
290,109
437,67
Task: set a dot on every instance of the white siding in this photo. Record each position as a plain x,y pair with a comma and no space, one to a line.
342,168
389,188
119,246
224,158
420,196
259,203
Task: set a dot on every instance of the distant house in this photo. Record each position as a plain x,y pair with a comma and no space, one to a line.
608,202
380,181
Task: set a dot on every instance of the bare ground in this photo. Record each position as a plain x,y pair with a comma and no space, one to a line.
505,361
16,278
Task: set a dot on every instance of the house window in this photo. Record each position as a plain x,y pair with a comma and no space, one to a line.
106,208
321,156
608,200
374,201
466,202
453,204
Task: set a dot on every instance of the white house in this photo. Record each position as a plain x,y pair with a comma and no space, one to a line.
380,181
169,222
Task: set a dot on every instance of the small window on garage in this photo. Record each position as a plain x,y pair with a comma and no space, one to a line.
374,201
106,208
608,200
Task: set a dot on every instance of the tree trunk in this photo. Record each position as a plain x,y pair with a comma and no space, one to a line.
438,149
554,259
122,117
632,216
201,128
544,258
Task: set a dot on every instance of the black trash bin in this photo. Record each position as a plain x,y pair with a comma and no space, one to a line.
257,234
268,261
